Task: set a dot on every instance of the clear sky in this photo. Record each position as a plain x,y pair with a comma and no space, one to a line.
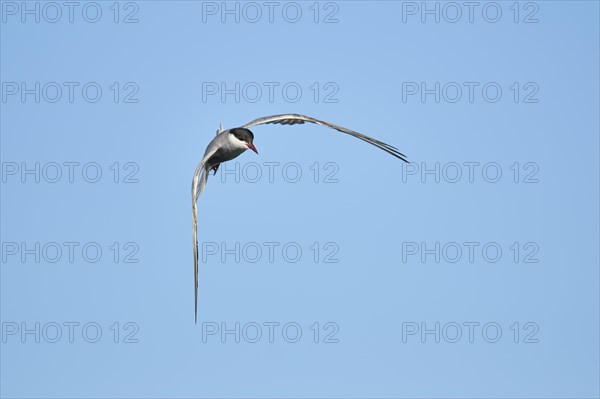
329,268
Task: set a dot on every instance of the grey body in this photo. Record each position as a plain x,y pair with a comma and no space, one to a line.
222,149
231,143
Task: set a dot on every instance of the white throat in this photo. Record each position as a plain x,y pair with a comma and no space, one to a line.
236,143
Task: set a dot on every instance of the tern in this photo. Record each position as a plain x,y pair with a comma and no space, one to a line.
229,144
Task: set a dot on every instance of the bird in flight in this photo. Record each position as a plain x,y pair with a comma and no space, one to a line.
230,143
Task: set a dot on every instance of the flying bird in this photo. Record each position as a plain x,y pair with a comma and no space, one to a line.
230,143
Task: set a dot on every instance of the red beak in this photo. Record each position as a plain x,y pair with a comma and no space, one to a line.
252,147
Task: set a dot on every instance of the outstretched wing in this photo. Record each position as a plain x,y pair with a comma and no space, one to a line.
293,119
198,184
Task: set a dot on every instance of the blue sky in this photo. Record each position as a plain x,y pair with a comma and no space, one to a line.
471,272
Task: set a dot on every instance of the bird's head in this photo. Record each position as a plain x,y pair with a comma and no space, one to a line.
245,136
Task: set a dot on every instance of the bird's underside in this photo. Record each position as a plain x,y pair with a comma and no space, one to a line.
229,144
214,161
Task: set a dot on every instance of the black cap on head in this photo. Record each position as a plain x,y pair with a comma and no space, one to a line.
242,134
